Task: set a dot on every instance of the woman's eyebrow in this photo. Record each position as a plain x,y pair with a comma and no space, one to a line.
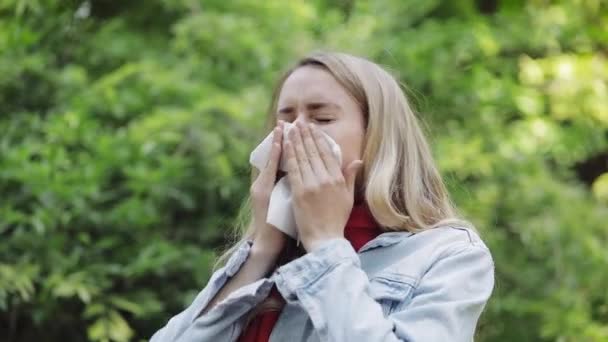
321,105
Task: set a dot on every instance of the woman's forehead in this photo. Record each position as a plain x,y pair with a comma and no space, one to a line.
311,85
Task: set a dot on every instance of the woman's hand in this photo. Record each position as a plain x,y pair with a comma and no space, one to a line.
323,195
267,239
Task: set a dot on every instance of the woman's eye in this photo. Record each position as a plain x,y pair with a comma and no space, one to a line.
323,120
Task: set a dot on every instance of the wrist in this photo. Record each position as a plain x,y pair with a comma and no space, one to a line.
260,252
312,245
264,260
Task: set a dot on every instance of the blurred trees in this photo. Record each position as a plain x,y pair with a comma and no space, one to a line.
125,129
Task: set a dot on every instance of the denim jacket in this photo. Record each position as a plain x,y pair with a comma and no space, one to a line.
423,287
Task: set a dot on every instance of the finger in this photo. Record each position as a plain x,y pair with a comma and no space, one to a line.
268,175
306,172
312,151
331,162
277,138
275,152
293,170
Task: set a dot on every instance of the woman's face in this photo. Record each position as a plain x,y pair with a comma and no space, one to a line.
311,94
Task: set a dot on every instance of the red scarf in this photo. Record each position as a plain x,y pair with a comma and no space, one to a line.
360,228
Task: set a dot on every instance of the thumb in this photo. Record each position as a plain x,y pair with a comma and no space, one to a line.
350,173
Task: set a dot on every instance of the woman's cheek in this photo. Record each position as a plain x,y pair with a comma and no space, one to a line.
347,155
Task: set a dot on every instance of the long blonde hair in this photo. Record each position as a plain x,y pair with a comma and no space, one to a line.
401,183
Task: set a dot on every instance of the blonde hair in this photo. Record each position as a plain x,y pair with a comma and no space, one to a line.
401,183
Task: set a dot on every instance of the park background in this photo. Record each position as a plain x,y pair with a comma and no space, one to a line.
125,130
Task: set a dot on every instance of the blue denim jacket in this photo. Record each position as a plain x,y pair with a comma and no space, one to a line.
429,286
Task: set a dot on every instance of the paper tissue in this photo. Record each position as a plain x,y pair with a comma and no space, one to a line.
280,211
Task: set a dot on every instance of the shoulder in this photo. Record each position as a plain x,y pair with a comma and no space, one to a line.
449,238
460,246
452,241
456,260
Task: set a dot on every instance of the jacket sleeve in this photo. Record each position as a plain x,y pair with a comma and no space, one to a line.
331,286
223,320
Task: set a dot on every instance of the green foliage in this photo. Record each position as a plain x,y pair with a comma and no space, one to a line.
125,130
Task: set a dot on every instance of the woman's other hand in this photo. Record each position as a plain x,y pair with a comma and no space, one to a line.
267,239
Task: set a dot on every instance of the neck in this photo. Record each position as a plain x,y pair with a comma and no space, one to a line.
359,196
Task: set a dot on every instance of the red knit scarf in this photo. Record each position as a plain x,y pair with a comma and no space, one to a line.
360,228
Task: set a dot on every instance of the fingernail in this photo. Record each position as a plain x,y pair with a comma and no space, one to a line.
311,125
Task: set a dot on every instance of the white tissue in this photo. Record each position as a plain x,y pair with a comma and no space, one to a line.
280,211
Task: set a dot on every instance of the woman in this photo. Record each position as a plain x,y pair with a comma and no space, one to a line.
383,255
